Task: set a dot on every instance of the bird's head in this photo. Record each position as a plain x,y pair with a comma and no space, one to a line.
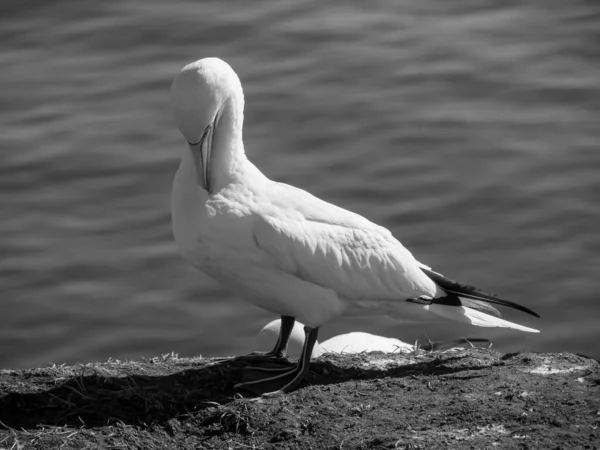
203,95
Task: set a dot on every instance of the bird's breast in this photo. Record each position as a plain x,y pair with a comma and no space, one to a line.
212,233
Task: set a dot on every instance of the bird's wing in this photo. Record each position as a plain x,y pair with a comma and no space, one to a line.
334,248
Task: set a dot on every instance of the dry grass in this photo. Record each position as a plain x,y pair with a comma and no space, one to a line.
353,401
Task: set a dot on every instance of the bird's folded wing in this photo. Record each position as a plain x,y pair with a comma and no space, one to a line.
353,261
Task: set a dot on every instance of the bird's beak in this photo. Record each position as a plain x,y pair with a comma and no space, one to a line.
201,155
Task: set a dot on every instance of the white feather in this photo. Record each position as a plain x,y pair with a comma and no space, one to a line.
278,246
468,315
354,342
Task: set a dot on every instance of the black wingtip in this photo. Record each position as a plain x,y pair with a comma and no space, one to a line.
471,292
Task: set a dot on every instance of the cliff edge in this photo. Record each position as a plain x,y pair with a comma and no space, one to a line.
472,398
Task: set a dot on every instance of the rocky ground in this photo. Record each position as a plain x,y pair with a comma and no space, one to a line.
458,399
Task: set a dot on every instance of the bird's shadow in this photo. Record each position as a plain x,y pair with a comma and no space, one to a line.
93,399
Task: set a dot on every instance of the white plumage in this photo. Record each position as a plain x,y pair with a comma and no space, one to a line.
356,342
353,342
278,246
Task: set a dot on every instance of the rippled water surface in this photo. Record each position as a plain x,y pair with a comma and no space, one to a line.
471,129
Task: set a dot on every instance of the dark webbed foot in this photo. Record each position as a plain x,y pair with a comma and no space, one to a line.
265,357
296,373
279,352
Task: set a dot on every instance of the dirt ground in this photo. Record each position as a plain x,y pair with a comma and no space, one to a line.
458,399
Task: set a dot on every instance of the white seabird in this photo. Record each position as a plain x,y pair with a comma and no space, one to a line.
282,248
353,342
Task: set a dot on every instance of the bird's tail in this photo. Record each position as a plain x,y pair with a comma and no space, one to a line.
475,317
465,303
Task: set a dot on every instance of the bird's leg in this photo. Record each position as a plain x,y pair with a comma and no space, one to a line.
280,349
298,372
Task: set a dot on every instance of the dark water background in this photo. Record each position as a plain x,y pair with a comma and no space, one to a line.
471,129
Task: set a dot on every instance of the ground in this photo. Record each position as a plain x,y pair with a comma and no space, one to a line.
472,398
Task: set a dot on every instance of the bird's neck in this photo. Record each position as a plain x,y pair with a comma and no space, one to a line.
228,162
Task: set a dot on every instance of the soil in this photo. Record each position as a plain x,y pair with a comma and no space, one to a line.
472,398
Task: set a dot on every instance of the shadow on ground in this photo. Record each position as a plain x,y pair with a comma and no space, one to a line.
463,399
153,392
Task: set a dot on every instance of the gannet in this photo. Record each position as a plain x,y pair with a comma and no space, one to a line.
355,342
284,249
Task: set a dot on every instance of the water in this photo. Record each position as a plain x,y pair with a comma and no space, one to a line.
468,128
